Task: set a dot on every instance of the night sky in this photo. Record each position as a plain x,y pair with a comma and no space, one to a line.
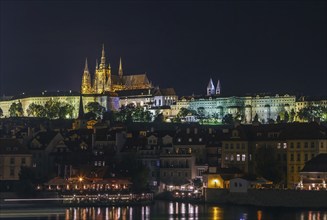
252,47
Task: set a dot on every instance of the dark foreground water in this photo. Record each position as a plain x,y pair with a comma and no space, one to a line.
165,210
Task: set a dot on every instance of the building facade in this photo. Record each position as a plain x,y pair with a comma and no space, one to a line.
104,81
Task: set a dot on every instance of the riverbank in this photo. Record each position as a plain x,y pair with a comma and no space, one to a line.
54,199
268,198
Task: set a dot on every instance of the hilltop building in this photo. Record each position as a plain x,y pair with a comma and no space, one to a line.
104,81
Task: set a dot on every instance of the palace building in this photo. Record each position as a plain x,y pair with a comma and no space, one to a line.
104,81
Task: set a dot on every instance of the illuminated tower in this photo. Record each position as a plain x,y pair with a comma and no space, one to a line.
218,88
86,80
94,89
210,88
102,76
120,71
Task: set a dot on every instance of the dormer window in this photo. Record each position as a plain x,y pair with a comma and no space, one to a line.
190,140
179,139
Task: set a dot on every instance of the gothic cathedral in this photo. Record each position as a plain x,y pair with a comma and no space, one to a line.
104,81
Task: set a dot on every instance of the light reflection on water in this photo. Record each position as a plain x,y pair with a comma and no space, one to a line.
167,210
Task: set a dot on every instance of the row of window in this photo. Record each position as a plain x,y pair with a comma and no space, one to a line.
305,144
22,161
298,157
179,174
239,157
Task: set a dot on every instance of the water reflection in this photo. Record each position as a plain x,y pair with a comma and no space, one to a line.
176,210
166,210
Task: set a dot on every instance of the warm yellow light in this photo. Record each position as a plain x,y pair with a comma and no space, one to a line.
80,179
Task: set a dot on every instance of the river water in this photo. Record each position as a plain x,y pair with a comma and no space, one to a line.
165,210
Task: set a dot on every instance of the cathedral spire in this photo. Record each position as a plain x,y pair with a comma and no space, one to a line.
120,71
102,54
210,88
218,89
103,58
86,68
86,80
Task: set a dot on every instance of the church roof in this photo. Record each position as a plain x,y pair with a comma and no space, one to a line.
130,80
165,92
316,164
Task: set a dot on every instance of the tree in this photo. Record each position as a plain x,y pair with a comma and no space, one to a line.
256,118
286,117
292,115
16,109
136,170
52,109
278,120
228,119
1,112
96,108
266,164
312,112
36,110
27,181
65,110
183,112
159,118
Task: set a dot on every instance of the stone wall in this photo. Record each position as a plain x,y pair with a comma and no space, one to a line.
269,198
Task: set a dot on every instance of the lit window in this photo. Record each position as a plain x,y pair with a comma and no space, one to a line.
226,157
232,157
243,157
238,157
284,145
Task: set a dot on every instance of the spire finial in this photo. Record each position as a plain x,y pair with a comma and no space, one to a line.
120,71
102,55
86,68
103,58
96,64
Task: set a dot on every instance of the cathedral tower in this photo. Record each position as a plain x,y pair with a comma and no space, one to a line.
218,88
86,80
210,88
102,78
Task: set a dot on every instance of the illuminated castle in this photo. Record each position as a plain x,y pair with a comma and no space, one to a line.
104,81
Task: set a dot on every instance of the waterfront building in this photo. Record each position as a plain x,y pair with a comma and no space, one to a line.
304,142
220,177
13,156
235,149
177,166
314,173
40,146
